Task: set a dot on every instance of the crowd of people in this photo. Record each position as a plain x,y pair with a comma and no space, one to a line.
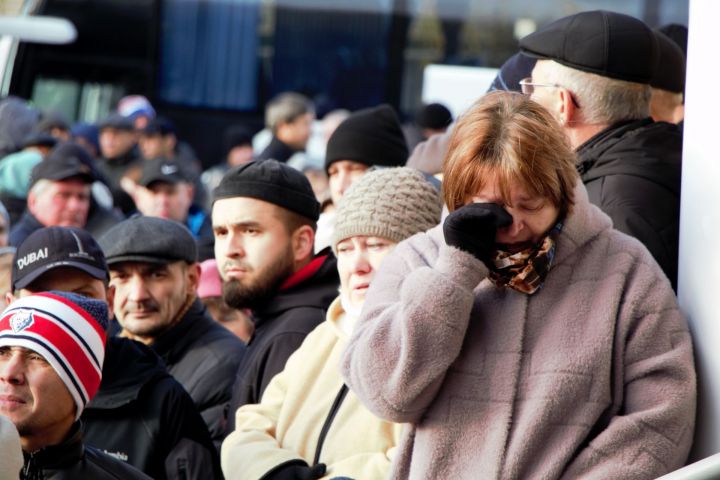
495,302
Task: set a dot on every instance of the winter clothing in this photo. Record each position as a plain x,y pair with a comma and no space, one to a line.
435,116
114,169
472,228
392,203
11,457
514,69
428,156
65,161
591,377
148,239
290,422
281,325
68,331
199,223
272,182
372,136
143,416
17,119
15,172
277,150
632,172
606,43
72,459
670,72
204,357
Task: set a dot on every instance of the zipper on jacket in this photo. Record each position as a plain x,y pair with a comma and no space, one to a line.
328,421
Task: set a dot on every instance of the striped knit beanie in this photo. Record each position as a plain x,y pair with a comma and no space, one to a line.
391,203
68,330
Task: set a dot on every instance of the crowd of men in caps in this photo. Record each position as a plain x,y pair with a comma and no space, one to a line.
498,305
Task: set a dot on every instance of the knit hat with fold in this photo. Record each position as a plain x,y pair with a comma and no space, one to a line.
66,329
372,136
391,203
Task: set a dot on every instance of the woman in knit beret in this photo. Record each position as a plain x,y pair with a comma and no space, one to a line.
525,337
309,425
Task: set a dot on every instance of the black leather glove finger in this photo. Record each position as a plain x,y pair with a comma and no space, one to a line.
472,228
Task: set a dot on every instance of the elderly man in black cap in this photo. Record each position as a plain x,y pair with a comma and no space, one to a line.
140,413
593,73
59,193
264,222
166,191
668,83
154,273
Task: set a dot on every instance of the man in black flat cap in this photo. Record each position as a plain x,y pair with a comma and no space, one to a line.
154,272
59,193
593,73
668,83
264,218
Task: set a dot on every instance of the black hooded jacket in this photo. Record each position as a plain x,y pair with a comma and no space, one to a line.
632,172
277,150
144,417
73,460
203,356
280,328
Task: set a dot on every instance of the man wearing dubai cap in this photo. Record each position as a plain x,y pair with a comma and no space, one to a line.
52,347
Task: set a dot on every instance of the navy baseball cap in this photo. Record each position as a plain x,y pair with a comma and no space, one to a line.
53,247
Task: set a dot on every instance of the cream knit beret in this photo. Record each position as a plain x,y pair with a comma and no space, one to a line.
391,203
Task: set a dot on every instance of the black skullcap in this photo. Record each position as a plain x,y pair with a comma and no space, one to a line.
435,116
273,182
609,44
670,73
372,136
236,136
150,240
678,34
514,69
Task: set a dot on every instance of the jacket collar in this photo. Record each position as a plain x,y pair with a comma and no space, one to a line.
172,344
589,152
64,454
317,289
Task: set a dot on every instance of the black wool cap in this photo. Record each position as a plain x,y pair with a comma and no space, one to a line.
65,161
435,116
117,121
162,170
54,247
609,44
372,136
273,182
150,240
670,72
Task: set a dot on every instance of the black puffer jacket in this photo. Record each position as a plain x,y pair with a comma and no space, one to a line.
632,172
143,416
203,356
72,460
280,328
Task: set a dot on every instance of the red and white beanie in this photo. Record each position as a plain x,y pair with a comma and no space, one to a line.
68,330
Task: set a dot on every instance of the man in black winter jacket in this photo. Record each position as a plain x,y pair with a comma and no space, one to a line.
51,354
264,222
140,413
289,117
154,274
593,73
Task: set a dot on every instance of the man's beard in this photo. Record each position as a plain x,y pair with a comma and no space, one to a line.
263,288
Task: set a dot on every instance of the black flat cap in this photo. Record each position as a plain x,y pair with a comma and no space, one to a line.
162,170
606,43
148,239
670,72
117,121
273,182
514,69
65,161
54,247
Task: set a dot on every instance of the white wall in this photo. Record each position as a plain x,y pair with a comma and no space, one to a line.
699,273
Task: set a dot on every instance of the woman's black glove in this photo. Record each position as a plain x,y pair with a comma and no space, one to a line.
472,228
296,471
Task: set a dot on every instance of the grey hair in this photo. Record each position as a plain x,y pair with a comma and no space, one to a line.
285,108
40,187
602,100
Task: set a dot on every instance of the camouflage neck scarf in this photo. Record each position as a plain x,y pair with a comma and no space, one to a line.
525,271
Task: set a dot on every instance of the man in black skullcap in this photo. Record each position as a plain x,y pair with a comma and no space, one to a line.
593,73
668,83
264,218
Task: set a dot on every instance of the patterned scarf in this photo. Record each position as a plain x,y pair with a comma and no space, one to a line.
525,271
